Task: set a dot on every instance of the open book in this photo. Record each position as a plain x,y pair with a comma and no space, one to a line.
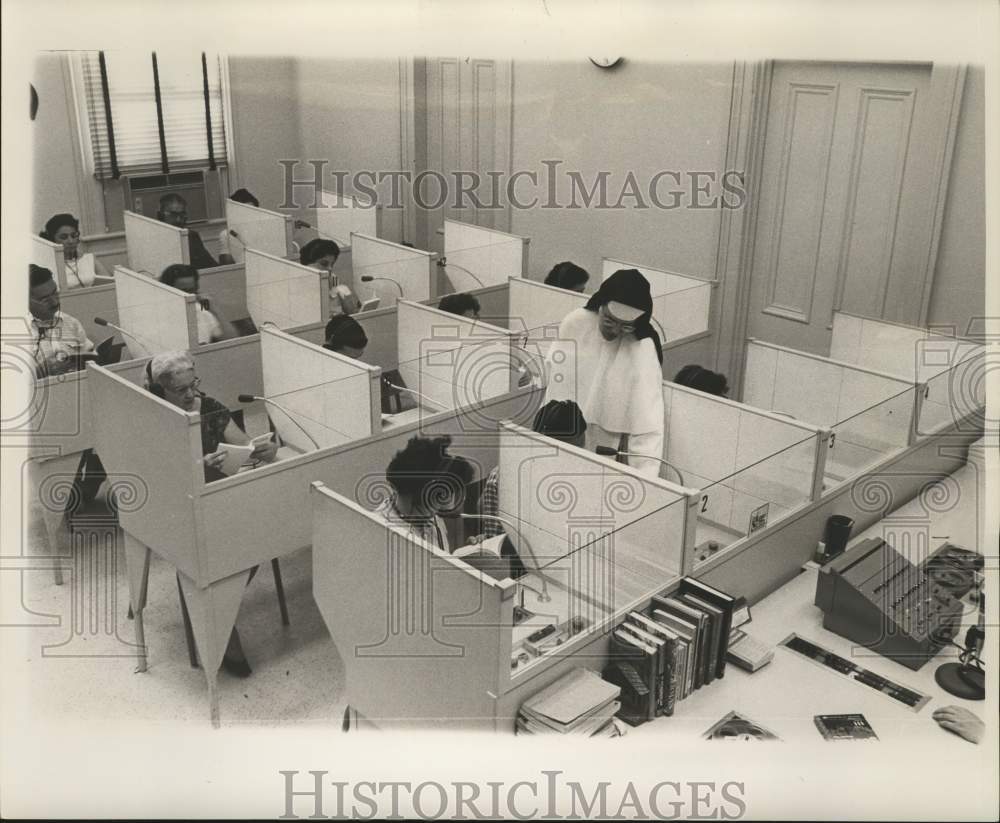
488,548
236,455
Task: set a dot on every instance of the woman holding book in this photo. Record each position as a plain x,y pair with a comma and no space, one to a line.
171,376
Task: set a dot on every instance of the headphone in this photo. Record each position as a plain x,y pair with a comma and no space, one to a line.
153,387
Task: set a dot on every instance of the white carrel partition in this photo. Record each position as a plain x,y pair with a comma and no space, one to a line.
316,393
450,360
681,303
753,467
469,665
49,256
411,270
949,367
870,413
155,317
535,312
338,216
152,245
285,293
476,257
256,228
537,309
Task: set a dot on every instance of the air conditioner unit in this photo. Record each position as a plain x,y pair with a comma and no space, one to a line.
199,189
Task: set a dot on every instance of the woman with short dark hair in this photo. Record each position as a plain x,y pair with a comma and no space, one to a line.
426,481
322,254
567,275
345,336
460,303
697,377
81,269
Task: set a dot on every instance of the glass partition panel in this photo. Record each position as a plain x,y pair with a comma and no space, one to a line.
487,264
322,413
867,437
607,569
682,313
953,393
756,496
406,278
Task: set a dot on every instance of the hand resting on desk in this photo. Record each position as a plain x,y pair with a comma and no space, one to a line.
960,721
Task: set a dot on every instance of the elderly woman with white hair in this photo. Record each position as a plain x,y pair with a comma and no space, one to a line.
171,375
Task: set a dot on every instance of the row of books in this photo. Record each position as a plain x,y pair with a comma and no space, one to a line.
578,703
660,657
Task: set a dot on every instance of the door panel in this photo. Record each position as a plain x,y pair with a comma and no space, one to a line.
843,171
468,130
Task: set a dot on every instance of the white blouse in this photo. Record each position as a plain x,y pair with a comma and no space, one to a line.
80,272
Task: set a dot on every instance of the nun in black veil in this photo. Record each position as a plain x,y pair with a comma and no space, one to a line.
608,360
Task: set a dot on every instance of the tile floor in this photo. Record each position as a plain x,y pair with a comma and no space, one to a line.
81,650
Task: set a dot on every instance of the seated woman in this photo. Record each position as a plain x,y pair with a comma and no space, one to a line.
81,269
568,276
322,254
232,247
426,483
702,379
210,328
345,336
171,376
460,303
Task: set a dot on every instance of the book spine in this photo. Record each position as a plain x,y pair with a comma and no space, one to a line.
644,663
727,627
670,698
711,647
685,669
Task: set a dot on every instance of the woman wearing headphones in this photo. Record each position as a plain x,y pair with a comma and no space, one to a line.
81,269
345,336
322,254
171,376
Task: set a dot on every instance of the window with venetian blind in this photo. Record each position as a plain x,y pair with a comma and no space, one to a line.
158,113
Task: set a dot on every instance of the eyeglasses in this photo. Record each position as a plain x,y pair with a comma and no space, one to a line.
621,325
190,387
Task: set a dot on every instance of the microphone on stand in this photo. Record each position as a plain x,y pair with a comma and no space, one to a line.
416,394
236,234
249,398
444,264
147,348
607,451
367,278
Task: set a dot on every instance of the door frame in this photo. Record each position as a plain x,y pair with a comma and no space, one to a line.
751,97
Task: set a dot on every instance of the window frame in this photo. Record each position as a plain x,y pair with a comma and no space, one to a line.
103,199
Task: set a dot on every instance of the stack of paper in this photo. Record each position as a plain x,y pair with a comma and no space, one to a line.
580,703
